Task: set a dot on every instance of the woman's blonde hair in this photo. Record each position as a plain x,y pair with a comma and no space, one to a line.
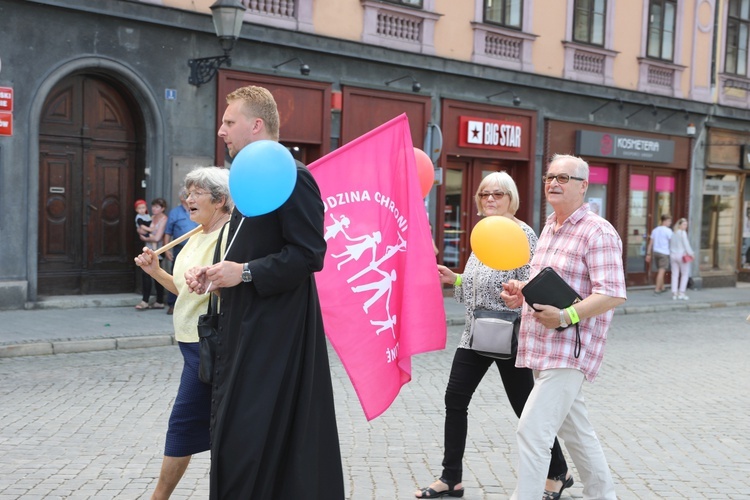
679,223
505,183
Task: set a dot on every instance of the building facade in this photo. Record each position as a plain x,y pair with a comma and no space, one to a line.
97,110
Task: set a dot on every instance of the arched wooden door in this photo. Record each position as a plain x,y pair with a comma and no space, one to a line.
87,156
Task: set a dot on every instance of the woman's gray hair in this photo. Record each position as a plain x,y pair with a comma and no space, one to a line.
506,183
212,179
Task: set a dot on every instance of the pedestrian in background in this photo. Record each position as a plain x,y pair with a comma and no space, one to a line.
586,251
681,254
153,236
188,433
479,287
179,223
658,245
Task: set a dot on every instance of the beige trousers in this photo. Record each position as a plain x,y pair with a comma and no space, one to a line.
556,407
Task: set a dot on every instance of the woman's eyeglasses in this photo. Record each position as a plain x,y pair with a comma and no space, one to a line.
561,178
498,195
195,194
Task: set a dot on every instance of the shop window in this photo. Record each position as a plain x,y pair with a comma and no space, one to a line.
295,15
720,223
596,195
499,39
588,46
400,25
745,255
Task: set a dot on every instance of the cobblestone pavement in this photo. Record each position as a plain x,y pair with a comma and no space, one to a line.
670,406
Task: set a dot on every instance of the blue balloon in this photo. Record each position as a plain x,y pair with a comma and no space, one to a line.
262,177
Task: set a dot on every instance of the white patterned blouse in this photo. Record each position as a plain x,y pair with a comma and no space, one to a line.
489,284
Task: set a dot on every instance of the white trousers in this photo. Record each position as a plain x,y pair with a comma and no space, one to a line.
556,407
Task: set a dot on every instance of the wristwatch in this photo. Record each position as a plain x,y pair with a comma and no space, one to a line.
247,276
563,324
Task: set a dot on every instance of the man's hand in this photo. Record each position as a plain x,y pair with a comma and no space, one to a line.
549,316
224,274
169,254
511,294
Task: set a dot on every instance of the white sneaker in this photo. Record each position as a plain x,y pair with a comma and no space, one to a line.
683,297
674,297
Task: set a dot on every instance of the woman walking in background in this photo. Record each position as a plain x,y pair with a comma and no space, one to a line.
681,255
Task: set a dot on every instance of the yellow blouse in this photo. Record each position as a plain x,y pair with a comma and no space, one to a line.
198,251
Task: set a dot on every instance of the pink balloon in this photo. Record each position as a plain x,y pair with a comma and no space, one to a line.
425,171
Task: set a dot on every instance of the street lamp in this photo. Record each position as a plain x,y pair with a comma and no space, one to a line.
228,15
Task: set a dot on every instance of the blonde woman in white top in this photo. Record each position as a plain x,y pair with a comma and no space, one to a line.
680,251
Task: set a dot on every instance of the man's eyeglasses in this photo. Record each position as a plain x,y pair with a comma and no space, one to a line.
561,178
498,195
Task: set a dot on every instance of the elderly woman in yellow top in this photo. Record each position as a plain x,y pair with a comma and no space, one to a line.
209,204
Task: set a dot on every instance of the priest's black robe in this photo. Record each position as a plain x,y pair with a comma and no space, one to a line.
273,423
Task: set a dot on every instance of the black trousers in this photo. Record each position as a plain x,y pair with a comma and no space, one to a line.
467,371
146,288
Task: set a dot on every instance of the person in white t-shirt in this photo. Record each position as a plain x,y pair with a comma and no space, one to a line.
658,244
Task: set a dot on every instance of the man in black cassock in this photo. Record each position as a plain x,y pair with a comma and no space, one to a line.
273,424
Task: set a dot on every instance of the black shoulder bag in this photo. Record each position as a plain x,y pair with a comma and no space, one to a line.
208,326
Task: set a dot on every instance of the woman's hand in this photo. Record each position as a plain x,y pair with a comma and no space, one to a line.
511,294
148,261
195,279
446,275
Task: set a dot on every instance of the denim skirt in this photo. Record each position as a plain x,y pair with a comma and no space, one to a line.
188,431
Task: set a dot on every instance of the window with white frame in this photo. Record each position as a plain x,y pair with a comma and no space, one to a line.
499,36
589,17
506,13
661,29
410,3
588,46
738,28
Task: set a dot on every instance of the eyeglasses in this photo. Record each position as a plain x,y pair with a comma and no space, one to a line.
561,178
498,195
195,194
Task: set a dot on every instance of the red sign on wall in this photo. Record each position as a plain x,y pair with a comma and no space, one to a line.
6,99
485,133
6,123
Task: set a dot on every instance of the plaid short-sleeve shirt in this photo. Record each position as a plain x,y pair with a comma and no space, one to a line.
586,252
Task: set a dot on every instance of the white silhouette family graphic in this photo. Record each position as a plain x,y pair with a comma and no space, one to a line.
368,244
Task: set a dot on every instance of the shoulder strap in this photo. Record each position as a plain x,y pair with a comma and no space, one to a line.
213,303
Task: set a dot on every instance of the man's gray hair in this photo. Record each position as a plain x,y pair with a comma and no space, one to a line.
581,167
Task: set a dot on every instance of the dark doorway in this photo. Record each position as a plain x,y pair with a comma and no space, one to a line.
88,149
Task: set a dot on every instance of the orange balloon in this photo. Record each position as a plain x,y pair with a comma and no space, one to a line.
500,243
425,171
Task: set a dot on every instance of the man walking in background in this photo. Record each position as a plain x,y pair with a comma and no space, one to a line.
658,245
179,223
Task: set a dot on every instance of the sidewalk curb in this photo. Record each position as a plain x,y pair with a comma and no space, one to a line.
166,339
90,345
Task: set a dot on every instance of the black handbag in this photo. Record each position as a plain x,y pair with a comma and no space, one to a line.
208,327
550,289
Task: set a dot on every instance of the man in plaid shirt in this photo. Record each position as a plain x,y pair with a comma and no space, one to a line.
586,251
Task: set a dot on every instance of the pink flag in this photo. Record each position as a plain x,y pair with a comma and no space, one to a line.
379,290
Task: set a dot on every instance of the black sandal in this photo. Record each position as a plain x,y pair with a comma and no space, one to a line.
451,491
567,483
